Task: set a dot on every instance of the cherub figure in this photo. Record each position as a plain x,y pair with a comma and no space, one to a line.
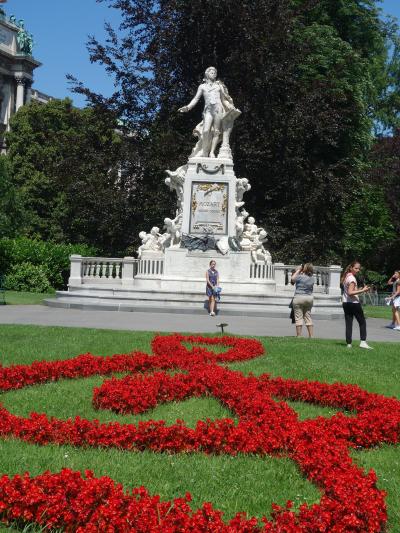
240,223
242,186
250,229
175,181
150,241
259,253
172,237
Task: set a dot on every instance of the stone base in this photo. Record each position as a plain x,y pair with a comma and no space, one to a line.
195,302
176,283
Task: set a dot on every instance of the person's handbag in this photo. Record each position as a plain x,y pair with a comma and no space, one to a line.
217,293
291,316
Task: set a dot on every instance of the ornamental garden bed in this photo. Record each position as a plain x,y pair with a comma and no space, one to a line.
248,434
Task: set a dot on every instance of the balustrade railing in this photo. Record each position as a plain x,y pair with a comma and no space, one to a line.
321,276
112,271
101,269
122,271
151,267
327,279
262,271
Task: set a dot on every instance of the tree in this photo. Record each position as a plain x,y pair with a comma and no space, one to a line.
310,78
66,166
384,178
11,213
369,230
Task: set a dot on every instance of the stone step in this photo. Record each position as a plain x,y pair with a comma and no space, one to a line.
199,307
280,299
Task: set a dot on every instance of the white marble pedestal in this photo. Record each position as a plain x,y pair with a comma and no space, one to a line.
209,196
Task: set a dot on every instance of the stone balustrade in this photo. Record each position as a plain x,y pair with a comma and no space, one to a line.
262,271
122,271
102,270
327,279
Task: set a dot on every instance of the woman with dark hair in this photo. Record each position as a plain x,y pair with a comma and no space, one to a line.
212,279
351,304
303,298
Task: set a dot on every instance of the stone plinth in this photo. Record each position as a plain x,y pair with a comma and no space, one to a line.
209,196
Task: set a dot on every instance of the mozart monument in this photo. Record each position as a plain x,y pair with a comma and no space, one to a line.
209,222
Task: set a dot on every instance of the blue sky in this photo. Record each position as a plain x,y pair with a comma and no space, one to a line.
61,28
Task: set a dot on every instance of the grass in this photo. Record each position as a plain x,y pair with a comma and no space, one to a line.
373,311
26,298
230,483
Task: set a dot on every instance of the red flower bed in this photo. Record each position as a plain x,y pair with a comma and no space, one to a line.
350,500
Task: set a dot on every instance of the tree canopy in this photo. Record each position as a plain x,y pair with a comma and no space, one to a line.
65,164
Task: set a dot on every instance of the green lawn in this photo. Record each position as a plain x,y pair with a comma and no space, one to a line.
230,483
384,311
26,298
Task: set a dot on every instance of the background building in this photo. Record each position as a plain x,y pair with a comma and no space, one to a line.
17,66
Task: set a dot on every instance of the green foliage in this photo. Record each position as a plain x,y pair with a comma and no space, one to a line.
64,165
11,214
384,175
52,259
27,277
376,279
368,225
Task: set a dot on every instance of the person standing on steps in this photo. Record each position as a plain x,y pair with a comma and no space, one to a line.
212,279
352,306
303,298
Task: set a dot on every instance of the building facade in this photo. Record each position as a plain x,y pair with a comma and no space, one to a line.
17,67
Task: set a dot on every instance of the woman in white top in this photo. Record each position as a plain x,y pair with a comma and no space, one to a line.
394,281
351,304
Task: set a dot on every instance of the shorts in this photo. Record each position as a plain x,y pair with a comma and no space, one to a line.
302,305
396,302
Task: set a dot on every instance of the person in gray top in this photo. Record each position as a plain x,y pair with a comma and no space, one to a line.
303,298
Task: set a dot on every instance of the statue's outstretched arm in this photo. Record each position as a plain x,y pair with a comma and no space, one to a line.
191,105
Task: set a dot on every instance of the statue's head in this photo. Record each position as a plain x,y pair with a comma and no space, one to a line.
142,235
251,220
210,73
154,230
167,222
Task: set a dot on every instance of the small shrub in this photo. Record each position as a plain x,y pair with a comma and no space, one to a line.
52,258
27,277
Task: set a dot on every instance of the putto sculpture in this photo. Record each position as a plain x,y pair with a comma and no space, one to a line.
219,115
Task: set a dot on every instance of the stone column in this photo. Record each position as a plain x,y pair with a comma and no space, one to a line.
20,93
127,271
28,92
279,276
334,280
75,277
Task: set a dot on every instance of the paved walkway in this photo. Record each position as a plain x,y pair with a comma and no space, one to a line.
277,327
